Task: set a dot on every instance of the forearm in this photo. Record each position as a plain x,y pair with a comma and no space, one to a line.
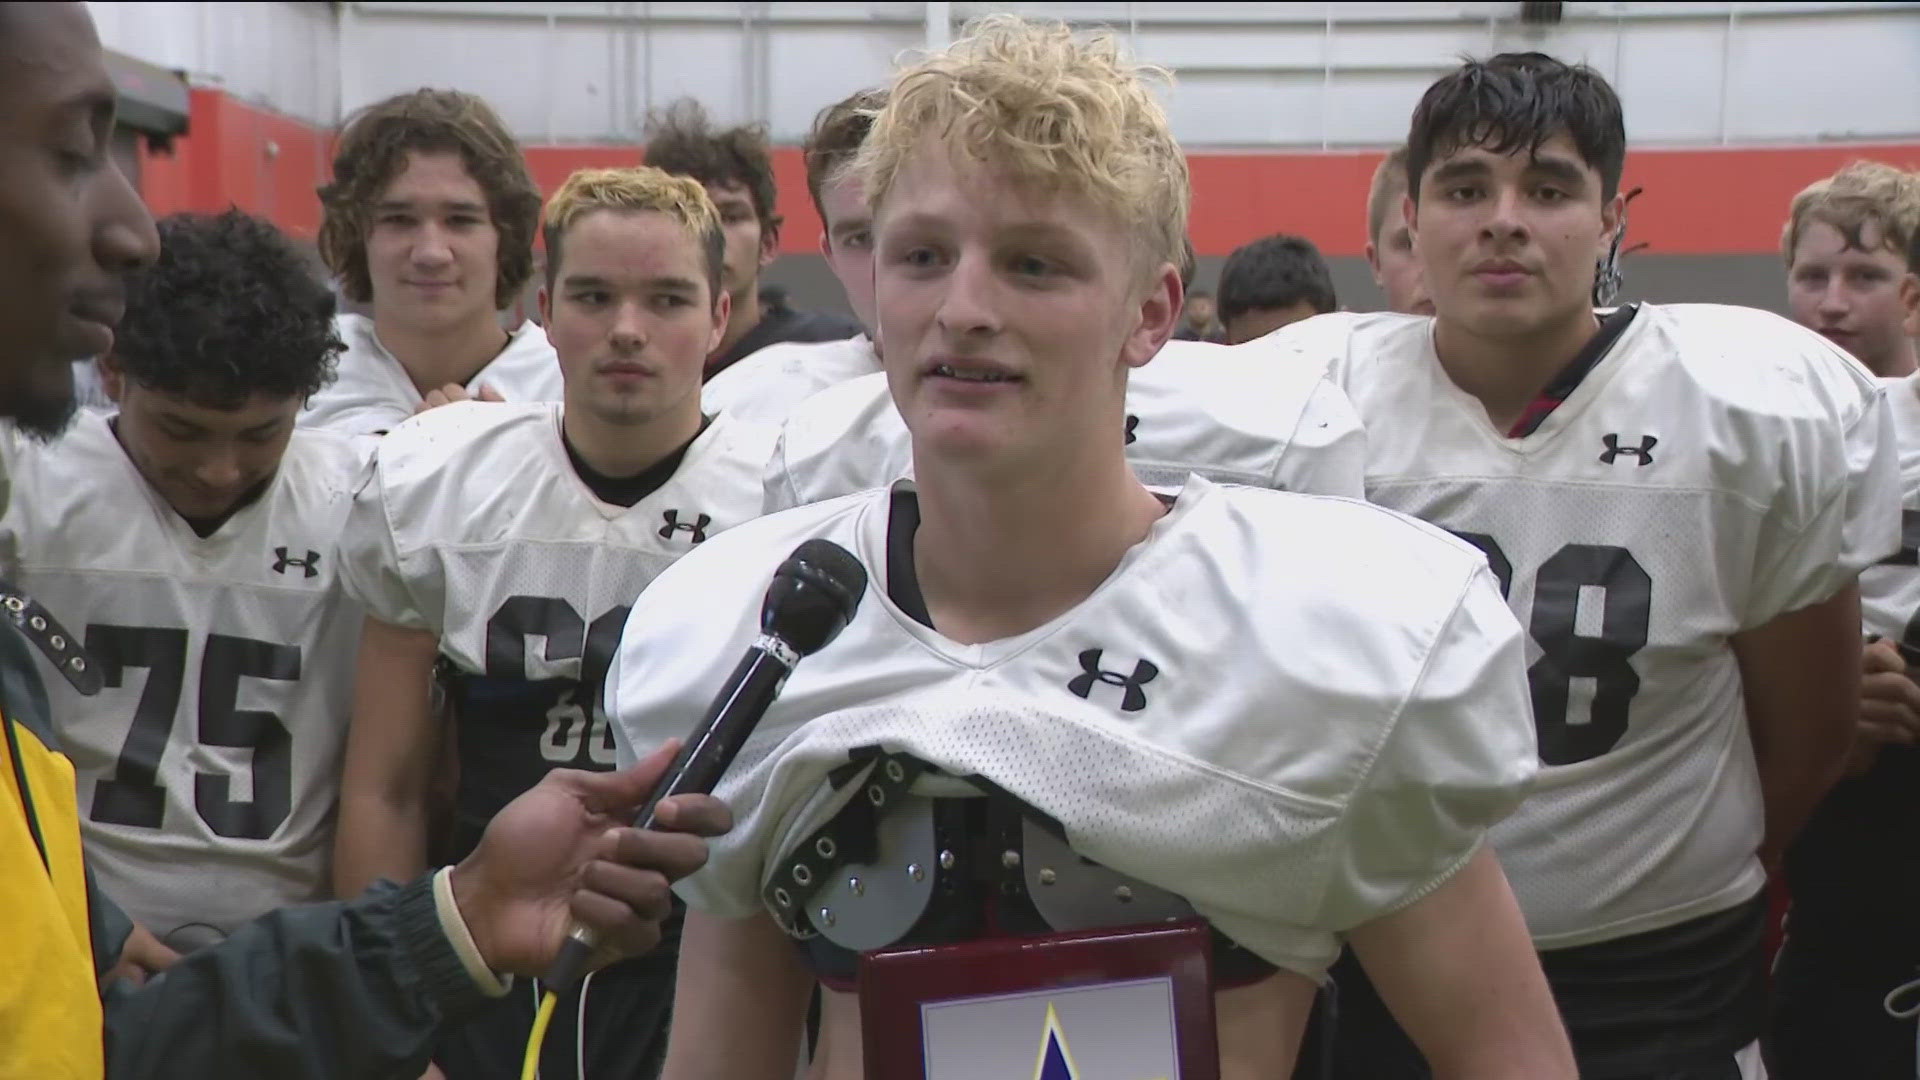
319,990
379,836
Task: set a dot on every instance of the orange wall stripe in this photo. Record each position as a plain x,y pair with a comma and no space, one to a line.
1717,201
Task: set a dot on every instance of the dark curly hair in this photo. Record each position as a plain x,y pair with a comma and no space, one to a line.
372,151
681,141
230,309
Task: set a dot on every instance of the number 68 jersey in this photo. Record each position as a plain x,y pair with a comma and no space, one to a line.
473,524
209,765
1715,468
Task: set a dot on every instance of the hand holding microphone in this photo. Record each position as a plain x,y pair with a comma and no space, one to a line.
812,598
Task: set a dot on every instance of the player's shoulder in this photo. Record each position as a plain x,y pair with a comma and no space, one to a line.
1294,540
844,402
321,461
1351,342
450,440
1755,361
527,348
770,383
733,444
742,559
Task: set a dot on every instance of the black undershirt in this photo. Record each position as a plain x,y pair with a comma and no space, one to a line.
628,490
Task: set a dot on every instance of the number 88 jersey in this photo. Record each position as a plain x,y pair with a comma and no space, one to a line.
472,523
1890,590
1715,468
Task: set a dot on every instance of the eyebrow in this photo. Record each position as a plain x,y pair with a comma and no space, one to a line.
669,282
1558,168
409,204
1460,169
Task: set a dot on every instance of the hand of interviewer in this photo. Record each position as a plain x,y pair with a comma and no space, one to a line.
564,852
1889,705
453,392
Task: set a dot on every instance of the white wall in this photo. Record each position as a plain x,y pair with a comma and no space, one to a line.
1266,75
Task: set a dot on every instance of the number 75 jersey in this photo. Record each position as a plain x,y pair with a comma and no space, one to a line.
209,765
1716,468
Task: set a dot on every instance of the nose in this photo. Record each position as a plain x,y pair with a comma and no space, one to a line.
124,237
218,470
1504,220
1834,301
966,305
628,333
430,247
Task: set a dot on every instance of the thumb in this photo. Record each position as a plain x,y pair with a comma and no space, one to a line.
620,793
488,393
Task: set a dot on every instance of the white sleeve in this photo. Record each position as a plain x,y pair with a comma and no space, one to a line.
371,565
1838,511
1460,756
1327,453
778,489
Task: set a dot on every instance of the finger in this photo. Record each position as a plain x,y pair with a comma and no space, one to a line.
622,792
645,891
1881,714
671,853
1880,731
1882,656
701,815
616,926
488,393
455,392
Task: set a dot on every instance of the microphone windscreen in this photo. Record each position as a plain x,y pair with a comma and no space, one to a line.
813,596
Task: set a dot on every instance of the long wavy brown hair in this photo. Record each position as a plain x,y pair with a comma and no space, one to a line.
372,151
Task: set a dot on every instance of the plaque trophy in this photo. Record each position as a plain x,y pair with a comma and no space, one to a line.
1129,1003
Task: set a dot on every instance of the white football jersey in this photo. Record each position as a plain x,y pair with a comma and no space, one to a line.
1240,414
1718,467
765,387
473,524
1890,589
209,767
372,392
1299,713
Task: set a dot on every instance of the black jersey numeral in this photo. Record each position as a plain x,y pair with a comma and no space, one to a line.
577,732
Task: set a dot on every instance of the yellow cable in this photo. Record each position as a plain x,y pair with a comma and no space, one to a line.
530,1068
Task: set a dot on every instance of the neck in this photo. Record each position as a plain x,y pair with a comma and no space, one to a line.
744,316
1898,363
435,358
623,450
1507,373
1000,554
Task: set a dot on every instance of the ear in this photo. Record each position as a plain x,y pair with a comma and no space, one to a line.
1612,212
1410,214
1373,260
722,311
112,379
826,249
543,302
1910,303
1160,311
769,242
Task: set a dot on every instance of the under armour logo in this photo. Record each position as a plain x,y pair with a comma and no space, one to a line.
1644,451
698,526
311,564
1132,422
1133,700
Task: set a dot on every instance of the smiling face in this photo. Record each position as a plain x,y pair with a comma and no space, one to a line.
432,248
1507,244
201,460
1860,296
632,316
1010,317
70,224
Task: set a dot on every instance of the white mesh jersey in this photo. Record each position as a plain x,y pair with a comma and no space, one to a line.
373,393
1300,713
473,524
216,744
765,387
1890,589
1718,467
1240,414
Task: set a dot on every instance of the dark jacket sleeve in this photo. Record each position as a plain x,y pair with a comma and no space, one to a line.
353,990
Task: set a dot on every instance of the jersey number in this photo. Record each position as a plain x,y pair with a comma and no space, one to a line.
1626,599
134,795
572,724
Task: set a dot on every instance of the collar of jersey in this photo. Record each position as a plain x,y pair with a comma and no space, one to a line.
1563,415
1158,545
557,458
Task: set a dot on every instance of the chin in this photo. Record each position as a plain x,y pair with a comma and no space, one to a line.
42,404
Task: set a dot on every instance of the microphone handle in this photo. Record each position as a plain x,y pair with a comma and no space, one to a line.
697,768
735,712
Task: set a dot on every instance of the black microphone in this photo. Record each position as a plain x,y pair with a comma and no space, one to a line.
812,598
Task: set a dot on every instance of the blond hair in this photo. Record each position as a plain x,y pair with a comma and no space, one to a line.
1064,113
1389,179
1863,193
641,187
